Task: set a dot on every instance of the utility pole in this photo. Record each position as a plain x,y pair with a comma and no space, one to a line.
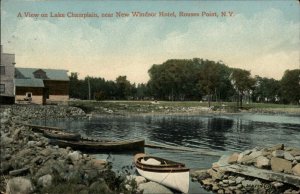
89,85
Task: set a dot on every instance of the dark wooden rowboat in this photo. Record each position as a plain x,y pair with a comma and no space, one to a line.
166,172
63,135
101,145
55,132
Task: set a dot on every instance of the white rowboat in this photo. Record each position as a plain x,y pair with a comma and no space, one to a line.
166,172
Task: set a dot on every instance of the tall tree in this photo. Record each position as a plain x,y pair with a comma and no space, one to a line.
266,90
242,82
209,78
290,86
123,87
75,85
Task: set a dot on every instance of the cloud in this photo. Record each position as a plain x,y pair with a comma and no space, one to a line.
112,47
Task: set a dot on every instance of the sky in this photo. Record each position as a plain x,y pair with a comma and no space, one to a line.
260,36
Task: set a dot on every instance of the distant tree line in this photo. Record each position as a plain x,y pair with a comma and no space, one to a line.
192,79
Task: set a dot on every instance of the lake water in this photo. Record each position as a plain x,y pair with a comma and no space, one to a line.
219,133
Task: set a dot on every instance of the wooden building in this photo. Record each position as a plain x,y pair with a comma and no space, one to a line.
41,86
7,73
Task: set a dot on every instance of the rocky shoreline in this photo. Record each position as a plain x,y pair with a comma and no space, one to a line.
260,170
29,164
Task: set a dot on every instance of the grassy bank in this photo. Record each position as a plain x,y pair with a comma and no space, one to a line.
178,107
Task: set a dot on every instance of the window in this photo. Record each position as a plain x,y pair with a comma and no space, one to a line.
2,70
2,88
28,94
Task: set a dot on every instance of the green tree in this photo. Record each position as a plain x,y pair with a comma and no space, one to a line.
75,86
209,78
242,82
124,87
290,86
266,90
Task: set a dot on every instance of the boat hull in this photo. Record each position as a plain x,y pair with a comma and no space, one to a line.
169,173
62,135
175,180
98,146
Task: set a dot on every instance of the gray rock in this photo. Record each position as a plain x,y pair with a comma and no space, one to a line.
281,165
288,156
19,185
215,174
295,152
262,162
200,174
247,160
139,180
6,140
153,188
247,183
74,156
297,158
278,153
296,170
231,182
45,181
247,152
99,187
31,143
255,154
277,184
233,158
277,147
239,179
46,152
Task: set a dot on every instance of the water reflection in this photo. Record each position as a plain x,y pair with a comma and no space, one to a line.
220,133
223,133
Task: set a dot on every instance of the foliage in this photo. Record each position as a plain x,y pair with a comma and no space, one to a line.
266,90
290,86
242,83
191,79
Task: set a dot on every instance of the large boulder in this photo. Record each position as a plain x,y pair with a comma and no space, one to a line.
281,165
153,188
247,160
262,162
296,170
19,185
288,156
255,154
233,158
295,152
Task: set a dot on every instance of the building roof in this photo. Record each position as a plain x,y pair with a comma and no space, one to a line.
52,74
36,83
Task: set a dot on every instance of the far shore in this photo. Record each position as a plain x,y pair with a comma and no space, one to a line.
179,108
